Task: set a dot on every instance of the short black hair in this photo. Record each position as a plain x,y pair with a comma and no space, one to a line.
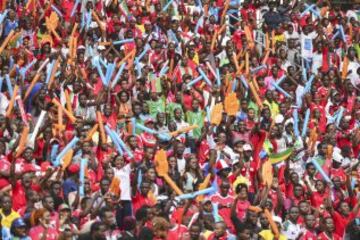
95,226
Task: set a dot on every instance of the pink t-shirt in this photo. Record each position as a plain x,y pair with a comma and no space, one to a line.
241,209
36,233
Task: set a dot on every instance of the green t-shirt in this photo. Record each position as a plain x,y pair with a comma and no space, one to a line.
156,106
170,108
198,119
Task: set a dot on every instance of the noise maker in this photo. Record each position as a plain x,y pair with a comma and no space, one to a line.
211,69
22,110
307,9
255,70
218,79
68,101
6,41
344,71
12,101
68,114
194,81
207,80
339,116
118,75
277,87
266,57
101,127
54,150
23,141
199,22
320,170
248,36
74,8
54,68
32,84
216,212
255,95
99,70
335,35
146,129
281,79
114,187
224,11
127,40
68,147
99,22
9,85
37,126
109,72
91,132
172,184
56,10
254,209
167,6
305,124
244,82
114,140
205,191
123,145
127,57
67,159
183,130
341,29
83,164
273,225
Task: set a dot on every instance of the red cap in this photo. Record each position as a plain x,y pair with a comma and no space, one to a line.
74,168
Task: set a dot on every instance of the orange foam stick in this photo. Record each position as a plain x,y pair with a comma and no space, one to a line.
323,11
91,132
60,118
53,71
101,127
114,187
273,225
68,102
267,41
172,184
248,36
67,159
266,57
12,101
216,34
129,55
99,22
247,70
28,4
202,186
183,130
350,32
75,41
32,84
345,66
256,96
224,11
256,85
266,173
216,114
273,41
55,34
6,41
68,114
74,29
236,62
255,209
22,142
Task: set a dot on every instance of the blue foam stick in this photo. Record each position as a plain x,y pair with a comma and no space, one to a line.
342,33
69,146
139,179
235,85
236,18
113,139
198,24
173,37
208,115
3,15
186,196
216,212
54,150
305,124
243,80
118,75
56,10
48,71
307,9
164,70
142,54
218,79
313,10
103,79
167,6
145,129
83,163
133,125
138,69
11,63
127,40
1,82
74,8
205,191
339,116
194,81
308,84
277,87
8,84
82,24
280,80
199,3
109,72
103,62
321,170
123,145
88,19
207,80
296,123
335,35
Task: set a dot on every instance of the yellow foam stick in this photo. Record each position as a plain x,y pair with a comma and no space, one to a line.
266,172
53,71
231,104
345,68
68,114
247,63
23,141
32,84
128,56
273,225
256,96
6,41
68,102
216,114
101,127
202,186
67,159
91,132
183,130
114,187
266,57
12,101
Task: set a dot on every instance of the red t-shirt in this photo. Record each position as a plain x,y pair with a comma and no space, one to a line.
139,200
241,208
36,233
178,232
323,236
224,212
341,222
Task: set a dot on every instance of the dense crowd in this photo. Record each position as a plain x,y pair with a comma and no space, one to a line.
180,119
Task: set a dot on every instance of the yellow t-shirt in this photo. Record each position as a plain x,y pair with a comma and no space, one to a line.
7,220
268,235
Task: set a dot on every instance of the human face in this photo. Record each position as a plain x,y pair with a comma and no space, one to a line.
294,213
344,208
219,229
49,203
144,188
329,224
109,218
6,203
310,221
119,162
304,208
224,188
46,218
151,174
194,232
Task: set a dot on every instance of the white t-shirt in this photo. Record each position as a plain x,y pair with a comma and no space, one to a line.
307,44
123,175
353,76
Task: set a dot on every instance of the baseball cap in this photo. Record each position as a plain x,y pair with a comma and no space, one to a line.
19,222
247,147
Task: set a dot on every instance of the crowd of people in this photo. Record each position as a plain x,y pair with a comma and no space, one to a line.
180,119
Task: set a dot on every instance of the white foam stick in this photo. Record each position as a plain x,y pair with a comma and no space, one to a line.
37,127
43,65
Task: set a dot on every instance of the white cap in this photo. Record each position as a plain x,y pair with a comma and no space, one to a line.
247,147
